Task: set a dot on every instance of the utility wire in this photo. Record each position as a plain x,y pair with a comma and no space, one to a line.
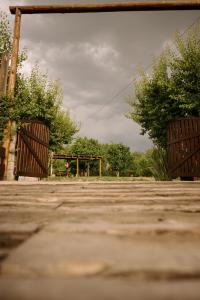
134,77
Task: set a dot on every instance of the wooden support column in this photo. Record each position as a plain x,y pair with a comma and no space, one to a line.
10,134
77,167
88,169
100,167
4,73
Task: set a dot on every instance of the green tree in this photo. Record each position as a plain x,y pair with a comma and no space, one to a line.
158,163
141,164
5,46
38,98
172,90
119,158
86,146
5,34
35,98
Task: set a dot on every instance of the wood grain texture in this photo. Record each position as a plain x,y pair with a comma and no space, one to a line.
108,7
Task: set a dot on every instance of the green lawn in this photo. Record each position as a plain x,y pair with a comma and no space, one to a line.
103,178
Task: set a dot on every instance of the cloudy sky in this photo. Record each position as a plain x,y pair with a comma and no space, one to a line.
95,57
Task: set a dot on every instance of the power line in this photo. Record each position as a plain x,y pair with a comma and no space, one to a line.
134,77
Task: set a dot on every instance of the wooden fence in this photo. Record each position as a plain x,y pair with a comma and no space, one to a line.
183,137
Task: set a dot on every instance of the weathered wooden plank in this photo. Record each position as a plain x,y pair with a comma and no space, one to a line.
108,7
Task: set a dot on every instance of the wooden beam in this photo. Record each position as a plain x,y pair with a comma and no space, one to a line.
10,132
108,7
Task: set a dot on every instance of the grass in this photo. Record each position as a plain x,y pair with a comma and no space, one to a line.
93,178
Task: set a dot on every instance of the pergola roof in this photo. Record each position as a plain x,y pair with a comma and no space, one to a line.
74,157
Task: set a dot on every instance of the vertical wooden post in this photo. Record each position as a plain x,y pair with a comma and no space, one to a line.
10,134
88,169
4,73
77,167
51,163
100,168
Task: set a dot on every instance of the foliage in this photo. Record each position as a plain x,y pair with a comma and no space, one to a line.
35,98
5,46
5,34
119,158
172,90
85,146
141,164
38,98
158,164
4,115
116,160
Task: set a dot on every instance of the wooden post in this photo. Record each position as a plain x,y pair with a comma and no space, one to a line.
100,168
88,169
4,73
10,134
77,167
51,163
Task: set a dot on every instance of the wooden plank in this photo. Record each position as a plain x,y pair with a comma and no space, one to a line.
108,7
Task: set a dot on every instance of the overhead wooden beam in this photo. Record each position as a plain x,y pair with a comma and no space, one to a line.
108,7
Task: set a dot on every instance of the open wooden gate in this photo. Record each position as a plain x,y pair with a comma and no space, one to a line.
32,150
184,147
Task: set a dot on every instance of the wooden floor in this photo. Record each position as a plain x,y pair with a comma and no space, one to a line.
100,241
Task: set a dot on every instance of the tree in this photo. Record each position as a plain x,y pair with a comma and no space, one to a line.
35,98
141,164
38,98
5,34
119,158
5,46
172,90
86,146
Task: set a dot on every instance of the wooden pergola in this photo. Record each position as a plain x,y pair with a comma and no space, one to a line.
163,5
78,158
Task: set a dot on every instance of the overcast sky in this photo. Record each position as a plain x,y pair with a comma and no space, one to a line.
95,57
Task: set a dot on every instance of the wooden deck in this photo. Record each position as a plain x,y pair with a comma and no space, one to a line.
101,241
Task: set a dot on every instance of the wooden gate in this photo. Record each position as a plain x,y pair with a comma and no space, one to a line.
183,137
32,150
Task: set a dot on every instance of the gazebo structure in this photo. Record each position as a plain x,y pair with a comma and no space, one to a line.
77,158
